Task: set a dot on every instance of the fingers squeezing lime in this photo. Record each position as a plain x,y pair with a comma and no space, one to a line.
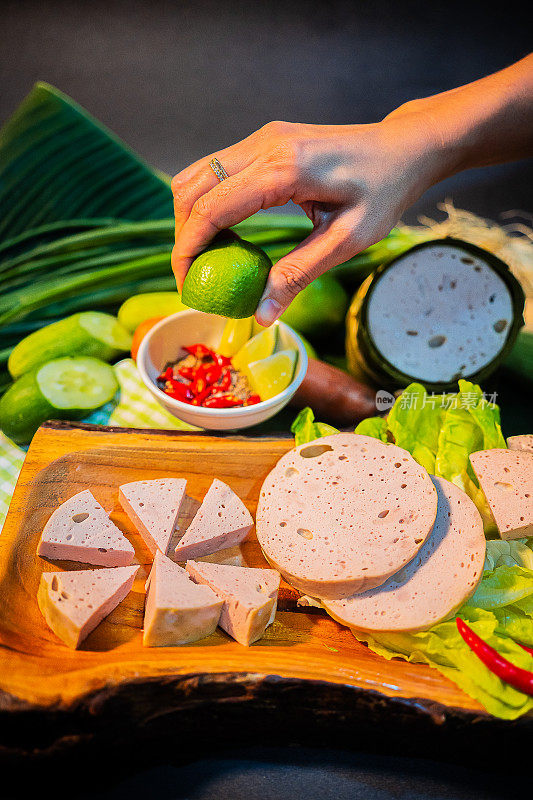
228,278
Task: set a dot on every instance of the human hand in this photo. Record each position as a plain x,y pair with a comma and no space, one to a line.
352,181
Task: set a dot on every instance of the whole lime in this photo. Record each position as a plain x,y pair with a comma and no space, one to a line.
319,309
228,278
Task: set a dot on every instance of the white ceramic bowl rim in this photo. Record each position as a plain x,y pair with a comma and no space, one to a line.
239,411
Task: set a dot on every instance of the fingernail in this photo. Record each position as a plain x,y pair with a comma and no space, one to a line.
268,311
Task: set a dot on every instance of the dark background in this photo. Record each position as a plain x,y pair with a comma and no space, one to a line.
179,79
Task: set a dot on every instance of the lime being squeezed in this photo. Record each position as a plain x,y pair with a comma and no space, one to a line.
228,278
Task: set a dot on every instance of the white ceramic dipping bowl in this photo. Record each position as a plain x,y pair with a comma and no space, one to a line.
164,343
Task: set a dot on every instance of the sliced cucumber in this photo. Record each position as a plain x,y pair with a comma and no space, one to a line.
65,388
106,329
91,333
136,309
78,383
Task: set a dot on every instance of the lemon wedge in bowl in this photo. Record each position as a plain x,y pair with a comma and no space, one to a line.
260,346
270,376
235,334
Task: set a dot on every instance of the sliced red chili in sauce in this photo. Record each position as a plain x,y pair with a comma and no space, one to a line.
186,372
179,391
200,351
225,381
224,401
208,383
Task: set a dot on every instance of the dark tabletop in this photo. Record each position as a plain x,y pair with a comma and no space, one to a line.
179,79
278,772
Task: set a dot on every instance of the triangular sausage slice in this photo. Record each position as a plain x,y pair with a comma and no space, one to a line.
506,477
522,442
222,521
250,597
178,611
435,583
153,507
74,603
80,530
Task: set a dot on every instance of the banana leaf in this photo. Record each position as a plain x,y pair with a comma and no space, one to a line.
59,163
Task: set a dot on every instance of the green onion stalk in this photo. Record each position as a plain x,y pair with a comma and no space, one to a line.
57,269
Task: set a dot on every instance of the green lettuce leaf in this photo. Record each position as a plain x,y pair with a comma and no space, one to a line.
415,421
503,586
516,552
515,622
470,423
373,426
486,414
305,428
501,612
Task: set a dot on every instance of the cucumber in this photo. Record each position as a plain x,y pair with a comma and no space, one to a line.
65,388
90,333
23,409
76,383
136,309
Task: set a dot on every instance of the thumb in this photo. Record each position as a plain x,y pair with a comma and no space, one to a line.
321,251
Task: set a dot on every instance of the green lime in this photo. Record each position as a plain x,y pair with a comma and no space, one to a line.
319,309
228,278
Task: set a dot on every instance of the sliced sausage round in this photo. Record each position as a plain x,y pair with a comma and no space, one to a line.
343,513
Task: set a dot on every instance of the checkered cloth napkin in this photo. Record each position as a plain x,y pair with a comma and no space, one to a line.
133,407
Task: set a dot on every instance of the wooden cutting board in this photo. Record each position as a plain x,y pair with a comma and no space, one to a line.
332,674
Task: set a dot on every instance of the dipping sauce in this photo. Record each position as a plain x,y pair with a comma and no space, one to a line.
205,378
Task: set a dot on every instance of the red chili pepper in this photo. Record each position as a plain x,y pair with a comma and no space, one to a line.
198,385
200,351
199,398
526,648
252,400
186,372
180,391
225,380
223,401
212,373
166,375
521,679
173,382
222,361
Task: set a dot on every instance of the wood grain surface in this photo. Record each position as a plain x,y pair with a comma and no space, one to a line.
301,649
